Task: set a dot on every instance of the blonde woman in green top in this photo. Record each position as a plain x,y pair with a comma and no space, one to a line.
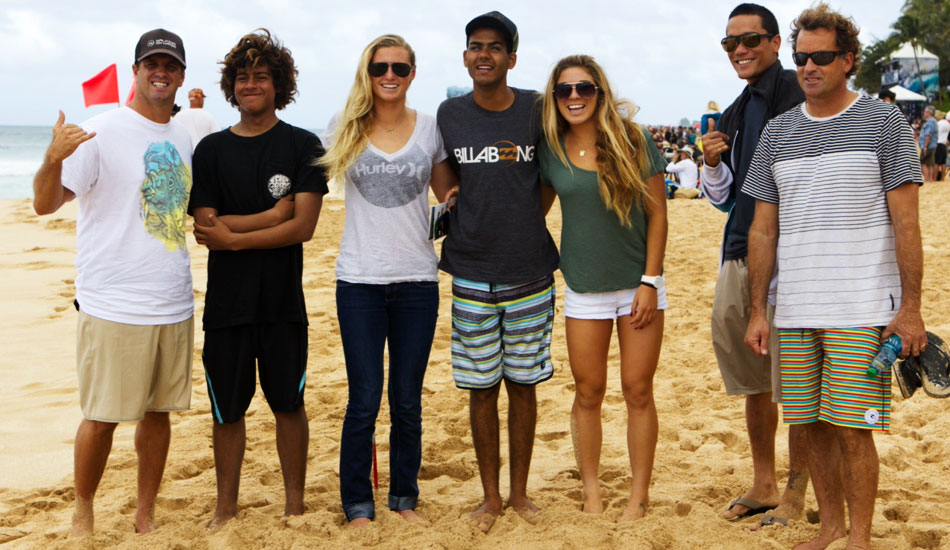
608,176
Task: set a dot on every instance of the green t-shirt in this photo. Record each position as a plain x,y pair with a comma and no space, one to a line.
598,254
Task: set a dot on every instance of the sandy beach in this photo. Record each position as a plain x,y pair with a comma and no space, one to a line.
702,462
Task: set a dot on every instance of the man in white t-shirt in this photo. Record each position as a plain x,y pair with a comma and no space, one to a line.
841,217
686,171
131,167
196,120
943,132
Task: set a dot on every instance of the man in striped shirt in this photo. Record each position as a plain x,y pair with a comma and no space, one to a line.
849,264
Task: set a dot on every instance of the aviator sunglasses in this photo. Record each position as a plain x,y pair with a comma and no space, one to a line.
748,39
819,58
401,70
585,90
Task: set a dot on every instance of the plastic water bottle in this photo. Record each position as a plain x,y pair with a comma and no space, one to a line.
881,364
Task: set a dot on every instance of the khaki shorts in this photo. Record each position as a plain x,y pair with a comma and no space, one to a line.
126,370
683,193
743,372
928,157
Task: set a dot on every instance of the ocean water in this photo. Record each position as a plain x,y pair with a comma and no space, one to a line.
21,153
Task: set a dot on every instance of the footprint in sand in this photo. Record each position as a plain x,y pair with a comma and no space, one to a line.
191,469
919,537
455,469
899,511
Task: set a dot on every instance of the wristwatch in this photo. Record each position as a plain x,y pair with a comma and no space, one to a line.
656,281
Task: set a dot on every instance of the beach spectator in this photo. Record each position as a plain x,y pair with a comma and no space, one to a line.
687,174
387,157
860,190
135,333
195,119
752,44
940,157
927,141
887,96
498,251
257,197
610,183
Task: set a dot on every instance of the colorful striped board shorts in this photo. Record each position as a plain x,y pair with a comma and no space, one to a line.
501,330
824,378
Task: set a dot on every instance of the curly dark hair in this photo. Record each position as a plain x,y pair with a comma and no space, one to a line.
823,17
257,49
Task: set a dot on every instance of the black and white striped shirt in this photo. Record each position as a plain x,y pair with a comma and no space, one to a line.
837,265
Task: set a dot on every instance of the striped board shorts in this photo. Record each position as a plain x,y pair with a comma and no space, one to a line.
824,378
501,330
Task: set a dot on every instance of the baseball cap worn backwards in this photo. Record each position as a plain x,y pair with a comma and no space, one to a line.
495,20
160,41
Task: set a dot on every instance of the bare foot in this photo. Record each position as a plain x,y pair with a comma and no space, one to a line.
734,512
412,517
821,541
82,518
219,520
485,516
593,503
526,509
360,523
634,511
144,523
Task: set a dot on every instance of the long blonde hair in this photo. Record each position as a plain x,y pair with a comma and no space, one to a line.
350,135
622,155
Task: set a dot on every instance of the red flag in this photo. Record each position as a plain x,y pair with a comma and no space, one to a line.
131,95
102,88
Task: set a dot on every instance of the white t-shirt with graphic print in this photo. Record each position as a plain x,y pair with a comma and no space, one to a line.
132,181
385,235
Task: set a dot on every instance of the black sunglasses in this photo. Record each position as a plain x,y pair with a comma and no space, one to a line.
748,39
401,70
819,58
585,90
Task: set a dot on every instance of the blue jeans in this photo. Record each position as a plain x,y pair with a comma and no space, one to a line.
405,315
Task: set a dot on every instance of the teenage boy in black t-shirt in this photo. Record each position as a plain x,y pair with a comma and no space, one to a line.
256,197
501,257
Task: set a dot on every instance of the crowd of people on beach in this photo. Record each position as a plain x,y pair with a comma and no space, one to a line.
819,184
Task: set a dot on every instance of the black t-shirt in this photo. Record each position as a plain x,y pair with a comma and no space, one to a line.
246,175
497,232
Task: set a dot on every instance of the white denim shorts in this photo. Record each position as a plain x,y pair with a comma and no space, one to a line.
605,305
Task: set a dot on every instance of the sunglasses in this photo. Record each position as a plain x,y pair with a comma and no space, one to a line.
401,70
747,39
819,58
585,90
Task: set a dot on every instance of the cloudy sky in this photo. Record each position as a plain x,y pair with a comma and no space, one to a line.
663,55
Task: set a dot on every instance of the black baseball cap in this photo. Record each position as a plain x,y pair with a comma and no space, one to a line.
495,20
160,41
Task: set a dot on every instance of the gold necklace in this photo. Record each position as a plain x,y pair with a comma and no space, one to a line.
390,131
583,151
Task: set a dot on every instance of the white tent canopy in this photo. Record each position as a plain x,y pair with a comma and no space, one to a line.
907,51
903,94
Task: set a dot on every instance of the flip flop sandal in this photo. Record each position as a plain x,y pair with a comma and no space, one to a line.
932,367
769,519
754,507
